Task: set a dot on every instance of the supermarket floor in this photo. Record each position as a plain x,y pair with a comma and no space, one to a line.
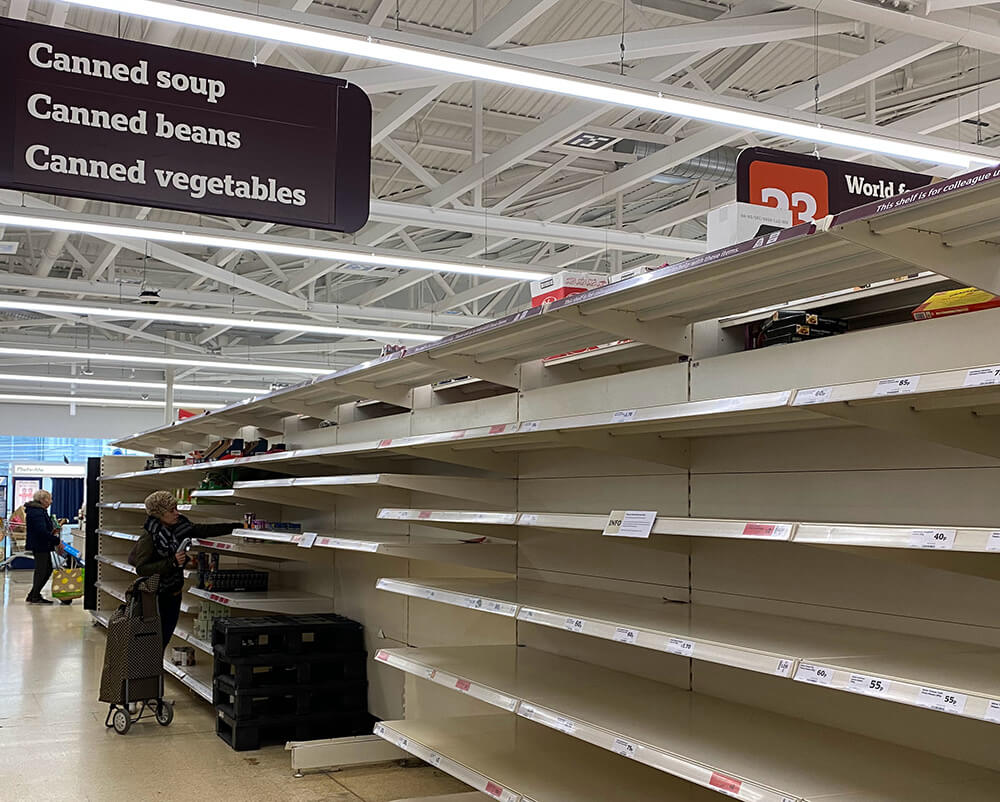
53,743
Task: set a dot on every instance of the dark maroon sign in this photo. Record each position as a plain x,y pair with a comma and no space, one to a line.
814,187
108,119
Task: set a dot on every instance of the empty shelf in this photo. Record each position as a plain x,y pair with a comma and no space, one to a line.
293,602
209,510
116,589
197,677
119,564
376,543
903,668
514,760
743,751
917,537
117,535
181,631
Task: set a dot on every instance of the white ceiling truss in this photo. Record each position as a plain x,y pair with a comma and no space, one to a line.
480,173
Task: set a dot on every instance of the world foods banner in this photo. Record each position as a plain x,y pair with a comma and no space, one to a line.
103,118
811,187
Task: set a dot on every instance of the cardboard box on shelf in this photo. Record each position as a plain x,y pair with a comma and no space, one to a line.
956,302
739,222
563,284
625,275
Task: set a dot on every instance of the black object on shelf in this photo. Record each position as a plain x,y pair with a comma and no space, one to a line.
300,634
233,580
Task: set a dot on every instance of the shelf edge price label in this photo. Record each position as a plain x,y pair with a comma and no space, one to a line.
625,635
474,604
726,784
814,395
307,540
900,385
624,748
575,624
630,523
527,520
529,426
944,701
784,667
680,646
623,416
993,543
983,377
993,711
869,686
776,531
463,685
564,724
815,675
941,539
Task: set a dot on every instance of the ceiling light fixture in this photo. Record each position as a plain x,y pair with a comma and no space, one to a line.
211,320
534,78
221,389
153,361
278,247
13,398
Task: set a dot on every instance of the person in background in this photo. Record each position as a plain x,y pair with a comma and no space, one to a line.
159,552
42,537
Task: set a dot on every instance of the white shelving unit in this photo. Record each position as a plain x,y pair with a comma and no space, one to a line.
826,537
722,746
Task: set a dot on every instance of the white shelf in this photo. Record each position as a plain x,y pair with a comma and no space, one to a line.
291,602
181,631
119,564
197,677
118,535
498,596
116,589
747,752
375,543
916,537
195,509
901,664
510,759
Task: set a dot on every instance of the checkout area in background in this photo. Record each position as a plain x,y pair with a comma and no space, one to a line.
64,482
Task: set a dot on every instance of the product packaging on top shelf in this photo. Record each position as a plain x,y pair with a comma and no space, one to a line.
563,284
956,302
738,222
794,325
625,275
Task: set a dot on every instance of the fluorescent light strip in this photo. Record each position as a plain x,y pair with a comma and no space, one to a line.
210,320
151,361
12,398
537,80
263,245
138,385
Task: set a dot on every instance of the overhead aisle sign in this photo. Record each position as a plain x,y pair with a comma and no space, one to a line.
811,187
114,120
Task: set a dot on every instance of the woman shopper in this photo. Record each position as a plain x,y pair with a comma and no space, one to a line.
159,552
42,538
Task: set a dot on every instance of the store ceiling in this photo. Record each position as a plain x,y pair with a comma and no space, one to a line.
484,152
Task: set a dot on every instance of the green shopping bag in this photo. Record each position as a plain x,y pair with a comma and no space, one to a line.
67,583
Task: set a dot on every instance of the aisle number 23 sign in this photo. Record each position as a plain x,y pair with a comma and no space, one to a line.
810,187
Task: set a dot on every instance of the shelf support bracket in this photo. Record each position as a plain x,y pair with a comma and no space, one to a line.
398,396
505,372
667,334
976,264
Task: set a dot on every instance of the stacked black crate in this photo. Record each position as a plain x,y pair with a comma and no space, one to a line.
289,678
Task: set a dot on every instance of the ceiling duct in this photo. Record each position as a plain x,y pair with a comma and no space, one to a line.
718,166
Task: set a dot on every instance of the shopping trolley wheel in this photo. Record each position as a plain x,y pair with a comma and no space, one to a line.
122,721
65,601
164,713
